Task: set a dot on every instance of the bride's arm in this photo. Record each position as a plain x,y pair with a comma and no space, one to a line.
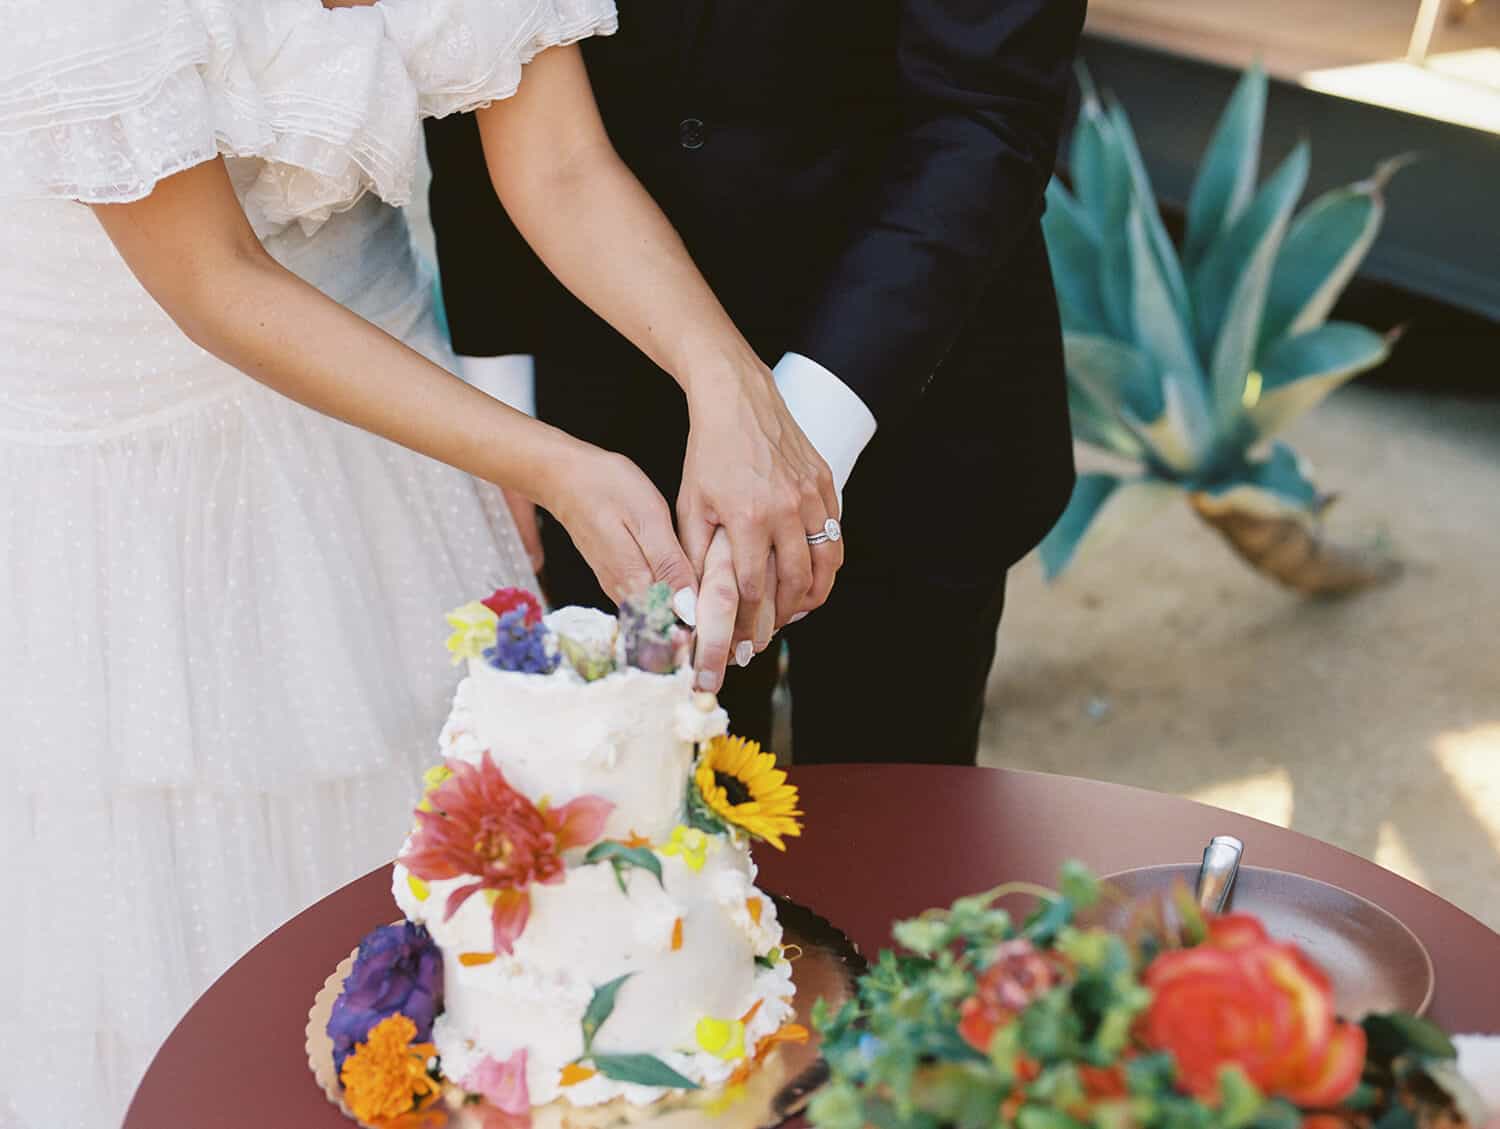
192,248
749,467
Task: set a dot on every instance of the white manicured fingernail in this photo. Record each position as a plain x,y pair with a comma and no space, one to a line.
744,652
685,604
707,681
798,618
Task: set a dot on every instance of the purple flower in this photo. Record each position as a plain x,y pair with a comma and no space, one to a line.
398,969
522,646
654,641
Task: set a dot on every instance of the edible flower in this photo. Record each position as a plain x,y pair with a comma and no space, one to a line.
505,600
484,829
473,630
742,786
386,1080
522,646
1017,975
722,1038
398,970
502,1083
690,844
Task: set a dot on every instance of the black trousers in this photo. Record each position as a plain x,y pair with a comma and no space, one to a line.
891,669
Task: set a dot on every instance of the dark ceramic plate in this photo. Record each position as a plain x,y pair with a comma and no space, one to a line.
1375,962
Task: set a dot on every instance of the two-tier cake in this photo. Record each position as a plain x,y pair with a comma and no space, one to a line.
582,924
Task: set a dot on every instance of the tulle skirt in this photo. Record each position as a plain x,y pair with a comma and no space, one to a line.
221,673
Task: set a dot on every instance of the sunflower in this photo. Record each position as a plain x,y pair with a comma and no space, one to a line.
743,787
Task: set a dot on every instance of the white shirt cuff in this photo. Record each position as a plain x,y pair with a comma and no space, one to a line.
831,414
511,379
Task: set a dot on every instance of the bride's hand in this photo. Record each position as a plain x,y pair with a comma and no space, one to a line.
750,469
619,523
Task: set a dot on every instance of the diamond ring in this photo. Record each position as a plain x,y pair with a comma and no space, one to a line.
829,532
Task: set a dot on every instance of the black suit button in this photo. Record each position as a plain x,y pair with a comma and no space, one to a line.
691,133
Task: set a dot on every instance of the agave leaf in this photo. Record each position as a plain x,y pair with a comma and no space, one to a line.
1180,437
1102,507
1276,486
1161,243
1161,332
1073,250
1100,171
1226,178
1247,248
1234,351
1114,373
1301,371
1323,248
1099,427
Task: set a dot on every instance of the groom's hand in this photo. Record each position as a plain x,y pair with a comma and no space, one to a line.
751,470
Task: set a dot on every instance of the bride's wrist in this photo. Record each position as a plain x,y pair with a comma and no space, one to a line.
706,371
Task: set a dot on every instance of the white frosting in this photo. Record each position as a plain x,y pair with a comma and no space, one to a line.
628,738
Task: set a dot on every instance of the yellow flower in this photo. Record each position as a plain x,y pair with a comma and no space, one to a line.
690,843
742,786
386,1077
473,630
431,779
722,1038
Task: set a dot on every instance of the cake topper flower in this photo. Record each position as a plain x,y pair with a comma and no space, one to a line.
654,640
502,1083
521,645
739,785
398,970
473,630
503,600
482,828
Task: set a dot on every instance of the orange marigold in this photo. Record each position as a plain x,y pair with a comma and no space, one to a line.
386,1078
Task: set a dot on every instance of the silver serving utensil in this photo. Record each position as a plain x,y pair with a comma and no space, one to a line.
1221,862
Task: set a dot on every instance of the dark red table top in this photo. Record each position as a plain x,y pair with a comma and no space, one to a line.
882,842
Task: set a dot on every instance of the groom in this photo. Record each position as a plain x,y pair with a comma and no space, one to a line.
861,183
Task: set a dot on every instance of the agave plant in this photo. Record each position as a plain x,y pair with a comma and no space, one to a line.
1188,364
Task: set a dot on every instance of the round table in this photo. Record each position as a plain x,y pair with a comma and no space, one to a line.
882,842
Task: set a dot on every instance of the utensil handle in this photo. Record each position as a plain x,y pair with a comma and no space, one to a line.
1221,862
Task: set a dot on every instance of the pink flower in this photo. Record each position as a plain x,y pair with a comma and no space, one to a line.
503,1086
480,826
503,600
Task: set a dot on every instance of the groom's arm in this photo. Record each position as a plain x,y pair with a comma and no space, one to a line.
985,84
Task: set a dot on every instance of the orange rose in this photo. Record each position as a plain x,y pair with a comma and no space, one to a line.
1241,999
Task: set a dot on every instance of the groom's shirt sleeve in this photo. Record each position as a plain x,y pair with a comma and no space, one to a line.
984,84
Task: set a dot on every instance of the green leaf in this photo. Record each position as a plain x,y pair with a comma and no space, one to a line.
620,857
600,1008
1114,373
1156,231
1240,251
1159,325
642,1070
1394,1036
1324,247
1103,506
1181,438
1301,371
1073,250
1226,178
1100,168
1396,1117
1277,486
1097,425
1237,332
922,935
1078,885
1239,1100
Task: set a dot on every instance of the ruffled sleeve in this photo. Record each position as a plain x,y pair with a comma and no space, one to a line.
463,54
99,101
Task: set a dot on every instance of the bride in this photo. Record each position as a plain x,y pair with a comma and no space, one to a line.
220,612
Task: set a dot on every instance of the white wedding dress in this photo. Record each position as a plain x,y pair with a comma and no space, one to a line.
221,660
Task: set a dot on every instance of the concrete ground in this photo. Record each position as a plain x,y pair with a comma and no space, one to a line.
1372,722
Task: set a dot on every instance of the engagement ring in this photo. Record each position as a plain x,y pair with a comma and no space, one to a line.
829,532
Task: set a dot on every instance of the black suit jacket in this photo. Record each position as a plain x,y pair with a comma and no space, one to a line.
860,181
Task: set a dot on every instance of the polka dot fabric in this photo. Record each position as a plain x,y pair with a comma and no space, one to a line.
221,659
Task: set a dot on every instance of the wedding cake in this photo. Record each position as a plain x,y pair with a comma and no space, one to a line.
582,924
